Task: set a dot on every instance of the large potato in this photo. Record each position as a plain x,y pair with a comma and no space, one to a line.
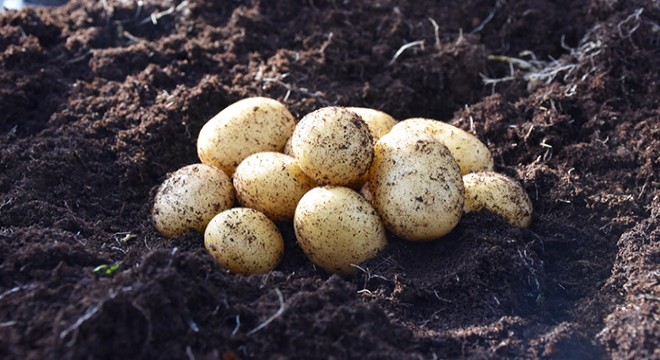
243,128
271,183
333,146
470,153
337,228
416,186
379,123
499,194
244,241
189,198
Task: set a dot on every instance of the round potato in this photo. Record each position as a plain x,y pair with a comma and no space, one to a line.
333,146
189,198
244,241
243,128
416,186
499,194
379,123
470,153
337,228
271,183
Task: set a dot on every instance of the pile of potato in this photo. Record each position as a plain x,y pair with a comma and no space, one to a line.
342,175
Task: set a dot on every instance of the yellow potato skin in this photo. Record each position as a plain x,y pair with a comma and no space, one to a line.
272,183
243,128
499,194
416,187
379,122
337,228
333,146
244,241
189,198
470,153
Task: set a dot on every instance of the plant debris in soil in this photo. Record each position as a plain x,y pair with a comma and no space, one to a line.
99,100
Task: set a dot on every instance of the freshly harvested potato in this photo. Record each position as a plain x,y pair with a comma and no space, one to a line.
333,146
244,241
243,128
379,123
470,153
189,198
337,228
499,194
271,183
416,186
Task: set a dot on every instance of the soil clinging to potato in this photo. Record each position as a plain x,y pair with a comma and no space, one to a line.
99,100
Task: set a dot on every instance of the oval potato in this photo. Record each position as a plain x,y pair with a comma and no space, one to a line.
499,194
470,153
243,128
337,228
189,198
272,183
333,146
379,123
244,241
416,186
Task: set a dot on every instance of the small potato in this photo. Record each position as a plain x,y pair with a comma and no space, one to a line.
333,146
271,183
243,128
499,194
416,186
337,228
379,123
244,241
470,153
189,198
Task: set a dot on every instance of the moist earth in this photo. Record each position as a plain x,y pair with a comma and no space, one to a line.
100,100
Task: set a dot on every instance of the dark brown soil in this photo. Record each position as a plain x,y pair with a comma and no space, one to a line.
98,103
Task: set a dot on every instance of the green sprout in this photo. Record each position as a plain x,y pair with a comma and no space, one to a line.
107,270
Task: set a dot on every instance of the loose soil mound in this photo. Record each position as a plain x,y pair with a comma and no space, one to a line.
99,100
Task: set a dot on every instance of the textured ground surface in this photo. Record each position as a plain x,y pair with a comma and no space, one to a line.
99,100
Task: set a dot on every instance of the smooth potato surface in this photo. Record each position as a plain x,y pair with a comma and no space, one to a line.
416,186
337,228
470,153
243,128
499,194
379,123
189,198
272,183
244,241
333,146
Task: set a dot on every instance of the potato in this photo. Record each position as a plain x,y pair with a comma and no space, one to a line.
271,183
333,146
416,186
379,123
243,128
337,228
499,194
189,198
470,153
244,241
